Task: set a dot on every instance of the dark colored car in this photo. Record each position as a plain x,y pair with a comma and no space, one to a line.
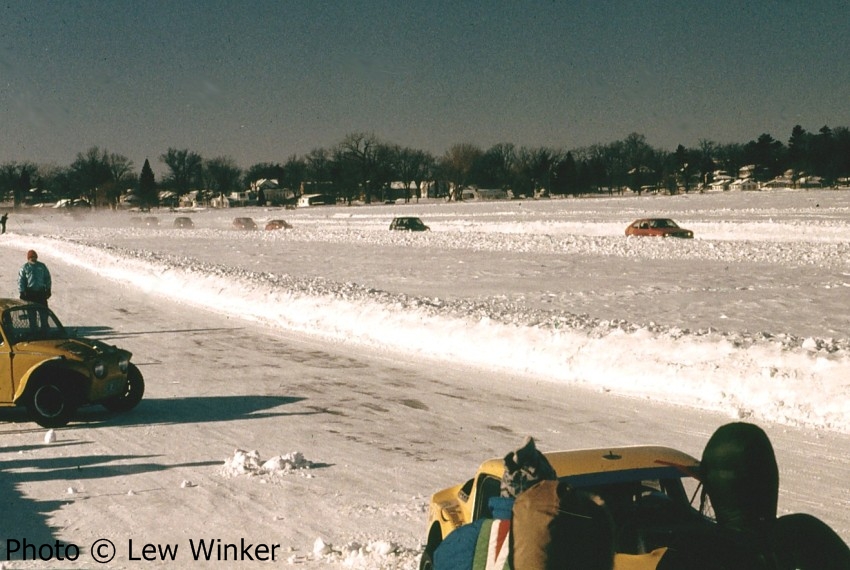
244,224
408,224
184,223
658,227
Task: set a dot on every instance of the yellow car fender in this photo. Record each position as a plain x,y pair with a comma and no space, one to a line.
648,561
25,379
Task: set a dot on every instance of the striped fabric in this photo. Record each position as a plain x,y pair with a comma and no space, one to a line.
491,549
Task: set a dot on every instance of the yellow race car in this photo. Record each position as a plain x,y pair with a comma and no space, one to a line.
51,373
649,491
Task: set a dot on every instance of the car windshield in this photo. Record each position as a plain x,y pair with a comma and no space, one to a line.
648,506
30,323
410,223
621,490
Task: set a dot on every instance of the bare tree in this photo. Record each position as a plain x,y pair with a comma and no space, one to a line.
534,169
318,163
497,166
359,153
385,170
221,175
119,166
413,167
294,172
322,173
457,167
50,182
92,175
186,169
706,157
640,160
16,179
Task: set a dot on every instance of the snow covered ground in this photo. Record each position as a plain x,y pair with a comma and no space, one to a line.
748,320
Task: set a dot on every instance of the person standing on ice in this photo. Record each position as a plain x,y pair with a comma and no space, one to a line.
3,220
34,282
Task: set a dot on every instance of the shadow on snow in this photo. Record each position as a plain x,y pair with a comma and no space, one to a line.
18,468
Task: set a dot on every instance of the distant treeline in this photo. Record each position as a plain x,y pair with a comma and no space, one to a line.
364,167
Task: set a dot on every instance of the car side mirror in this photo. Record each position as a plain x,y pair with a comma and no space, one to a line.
464,492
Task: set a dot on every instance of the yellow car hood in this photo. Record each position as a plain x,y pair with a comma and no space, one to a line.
81,348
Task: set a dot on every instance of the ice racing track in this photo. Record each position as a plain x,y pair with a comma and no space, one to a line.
382,430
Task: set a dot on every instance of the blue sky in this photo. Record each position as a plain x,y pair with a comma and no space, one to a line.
262,81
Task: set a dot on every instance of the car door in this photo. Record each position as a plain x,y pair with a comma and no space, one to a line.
488,486
7,387
8,337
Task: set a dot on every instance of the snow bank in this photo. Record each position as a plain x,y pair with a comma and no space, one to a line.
773,377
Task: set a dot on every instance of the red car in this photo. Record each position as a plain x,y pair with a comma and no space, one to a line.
278,225
660,227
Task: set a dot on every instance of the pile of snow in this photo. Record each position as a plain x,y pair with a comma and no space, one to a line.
372,555
249,463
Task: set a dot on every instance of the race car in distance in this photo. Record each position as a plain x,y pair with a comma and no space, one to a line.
408,224
659,227
272,225
244,224
183,222
52,373
647,489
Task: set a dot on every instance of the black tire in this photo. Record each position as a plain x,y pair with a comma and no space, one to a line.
131,396
50,405
427,560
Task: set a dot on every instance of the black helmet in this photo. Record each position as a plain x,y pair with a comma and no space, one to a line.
740,476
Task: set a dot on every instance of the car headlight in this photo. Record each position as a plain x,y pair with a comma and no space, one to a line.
99,370
124,364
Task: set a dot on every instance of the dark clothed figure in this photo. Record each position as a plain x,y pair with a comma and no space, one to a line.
741,479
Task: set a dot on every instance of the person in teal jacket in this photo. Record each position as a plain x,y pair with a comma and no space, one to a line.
34,282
